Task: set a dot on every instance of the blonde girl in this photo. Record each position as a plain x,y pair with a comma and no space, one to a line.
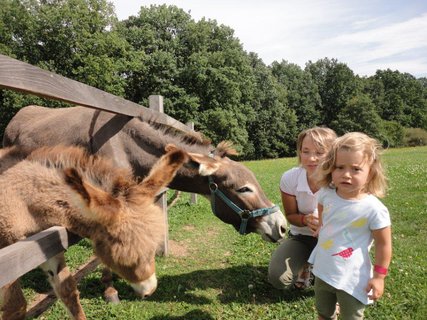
350,218
298,191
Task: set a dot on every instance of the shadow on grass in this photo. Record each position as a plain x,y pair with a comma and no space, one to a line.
239,284
192,315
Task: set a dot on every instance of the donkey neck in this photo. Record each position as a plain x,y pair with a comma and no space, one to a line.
144,144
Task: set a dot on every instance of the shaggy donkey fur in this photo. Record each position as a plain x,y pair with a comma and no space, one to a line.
86,194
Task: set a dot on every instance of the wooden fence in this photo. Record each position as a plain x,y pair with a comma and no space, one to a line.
25,255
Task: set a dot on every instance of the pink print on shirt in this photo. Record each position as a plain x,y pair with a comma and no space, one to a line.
345,253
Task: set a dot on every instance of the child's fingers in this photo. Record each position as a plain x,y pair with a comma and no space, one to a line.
374,295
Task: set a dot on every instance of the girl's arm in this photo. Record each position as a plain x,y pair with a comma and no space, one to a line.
294,216
291,210
383,252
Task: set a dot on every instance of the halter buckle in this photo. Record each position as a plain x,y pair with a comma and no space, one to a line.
213,186
245,214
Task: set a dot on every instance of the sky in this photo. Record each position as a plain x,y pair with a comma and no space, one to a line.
364,34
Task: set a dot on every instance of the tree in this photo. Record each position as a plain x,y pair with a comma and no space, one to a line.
200,68
14,23
154,38
273,129
74,38
358,115
301,92
337,85
393,134
403,99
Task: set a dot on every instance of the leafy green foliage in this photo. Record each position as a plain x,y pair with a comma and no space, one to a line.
200,68
392,134
359,114
273,124
301,92
337,85
400,97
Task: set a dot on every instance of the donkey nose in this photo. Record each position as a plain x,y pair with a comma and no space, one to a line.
147,287
146,295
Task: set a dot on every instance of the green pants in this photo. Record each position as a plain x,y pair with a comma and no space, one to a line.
327,298
288,260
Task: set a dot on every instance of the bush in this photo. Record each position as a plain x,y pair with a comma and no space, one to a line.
415,137
392,134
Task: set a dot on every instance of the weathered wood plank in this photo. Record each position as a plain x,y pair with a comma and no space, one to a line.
20,76
25,255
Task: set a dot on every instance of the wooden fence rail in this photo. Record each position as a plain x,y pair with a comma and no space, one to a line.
25,255
20,76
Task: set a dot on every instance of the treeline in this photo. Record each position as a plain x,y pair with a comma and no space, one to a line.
206,77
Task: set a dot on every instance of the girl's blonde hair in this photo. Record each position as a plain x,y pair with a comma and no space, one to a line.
322,138
371,149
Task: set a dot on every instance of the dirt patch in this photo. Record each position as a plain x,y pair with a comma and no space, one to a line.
189,227
185,248
177,249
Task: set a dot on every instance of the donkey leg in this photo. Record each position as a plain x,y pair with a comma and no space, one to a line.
12,302
110,293
63,284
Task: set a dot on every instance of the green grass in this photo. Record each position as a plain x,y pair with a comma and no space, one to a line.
214,273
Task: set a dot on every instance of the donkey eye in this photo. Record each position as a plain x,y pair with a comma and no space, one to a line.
244,189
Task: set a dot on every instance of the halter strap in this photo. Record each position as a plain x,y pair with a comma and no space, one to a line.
244,215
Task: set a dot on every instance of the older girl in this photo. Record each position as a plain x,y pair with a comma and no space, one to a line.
298,190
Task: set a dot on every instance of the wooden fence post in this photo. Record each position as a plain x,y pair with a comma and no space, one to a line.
193,196
155,102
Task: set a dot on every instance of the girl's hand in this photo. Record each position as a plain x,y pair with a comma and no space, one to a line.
376,284
312,222
316,232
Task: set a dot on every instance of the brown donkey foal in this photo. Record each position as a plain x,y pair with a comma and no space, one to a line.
89,196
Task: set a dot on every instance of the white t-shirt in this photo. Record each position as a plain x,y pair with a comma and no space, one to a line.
341,256
294,182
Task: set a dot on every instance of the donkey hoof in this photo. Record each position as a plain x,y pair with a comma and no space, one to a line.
112,296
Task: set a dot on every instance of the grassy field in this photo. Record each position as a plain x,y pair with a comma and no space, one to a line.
214,273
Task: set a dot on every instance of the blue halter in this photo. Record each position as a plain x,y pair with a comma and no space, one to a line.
244,215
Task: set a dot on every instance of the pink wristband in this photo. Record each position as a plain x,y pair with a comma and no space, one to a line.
380,270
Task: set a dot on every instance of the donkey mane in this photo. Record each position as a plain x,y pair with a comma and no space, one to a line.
189,138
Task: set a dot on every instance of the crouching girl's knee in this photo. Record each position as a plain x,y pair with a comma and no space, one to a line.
280,279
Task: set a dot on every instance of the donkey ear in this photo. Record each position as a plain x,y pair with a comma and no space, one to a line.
205,165
97,205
